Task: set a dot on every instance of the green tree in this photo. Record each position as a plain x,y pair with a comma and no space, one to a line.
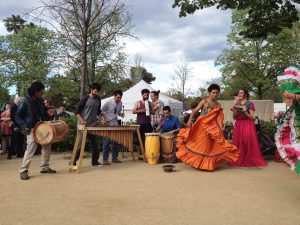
262,17
89,29
64,89
256,63
174,93
140,73
14,23
4,92
28,55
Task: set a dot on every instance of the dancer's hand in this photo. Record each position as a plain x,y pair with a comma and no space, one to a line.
244,108
289,95
189,124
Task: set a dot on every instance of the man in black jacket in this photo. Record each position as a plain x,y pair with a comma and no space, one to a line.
29,113
87,111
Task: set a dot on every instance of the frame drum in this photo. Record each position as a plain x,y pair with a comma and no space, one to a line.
48,132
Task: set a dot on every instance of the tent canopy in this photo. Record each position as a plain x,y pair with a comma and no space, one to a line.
134,94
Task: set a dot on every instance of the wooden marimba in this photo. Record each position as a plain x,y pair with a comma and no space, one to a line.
122,135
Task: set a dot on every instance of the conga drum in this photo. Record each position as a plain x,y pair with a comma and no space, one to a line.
168,148
152,148
167,143
47,132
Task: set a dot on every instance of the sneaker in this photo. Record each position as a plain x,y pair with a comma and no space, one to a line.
106,163
24,175
49,170
97,164
73,167
116,161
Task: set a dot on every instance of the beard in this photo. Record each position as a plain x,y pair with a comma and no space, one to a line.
145,99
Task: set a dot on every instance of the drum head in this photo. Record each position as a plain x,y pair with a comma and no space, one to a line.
151,134
43,133
167,136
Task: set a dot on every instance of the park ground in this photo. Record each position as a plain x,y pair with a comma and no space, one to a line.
136,193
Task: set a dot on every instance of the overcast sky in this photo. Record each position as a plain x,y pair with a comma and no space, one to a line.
165,39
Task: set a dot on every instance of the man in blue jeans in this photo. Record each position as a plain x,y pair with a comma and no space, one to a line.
30,112
110,112
87,110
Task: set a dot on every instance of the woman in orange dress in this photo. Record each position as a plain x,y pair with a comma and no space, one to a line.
202,145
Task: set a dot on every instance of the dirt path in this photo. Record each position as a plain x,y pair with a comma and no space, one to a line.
137,193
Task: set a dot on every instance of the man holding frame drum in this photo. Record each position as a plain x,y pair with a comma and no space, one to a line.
31,111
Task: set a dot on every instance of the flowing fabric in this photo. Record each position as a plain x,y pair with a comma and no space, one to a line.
286,138
203,146
288,128
245,138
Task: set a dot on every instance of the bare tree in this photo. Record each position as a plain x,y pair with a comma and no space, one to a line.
138,68
87,28
182,74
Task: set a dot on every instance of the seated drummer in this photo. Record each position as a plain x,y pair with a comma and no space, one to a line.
110,112
169,123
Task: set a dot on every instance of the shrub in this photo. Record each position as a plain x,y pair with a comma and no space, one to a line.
269,128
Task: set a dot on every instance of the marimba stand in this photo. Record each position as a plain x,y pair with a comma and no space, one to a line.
123,135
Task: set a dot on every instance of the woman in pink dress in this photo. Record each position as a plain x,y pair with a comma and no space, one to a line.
244,135
6,129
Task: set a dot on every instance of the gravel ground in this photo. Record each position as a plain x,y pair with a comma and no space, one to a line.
136,193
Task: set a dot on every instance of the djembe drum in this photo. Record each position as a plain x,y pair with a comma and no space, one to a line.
47,132
168,148
152,148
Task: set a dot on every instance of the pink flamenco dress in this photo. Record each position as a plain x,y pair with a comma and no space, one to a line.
245,138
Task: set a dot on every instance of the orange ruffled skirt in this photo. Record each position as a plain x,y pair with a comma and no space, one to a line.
204,146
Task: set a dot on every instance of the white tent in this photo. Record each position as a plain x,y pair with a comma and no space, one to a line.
134,94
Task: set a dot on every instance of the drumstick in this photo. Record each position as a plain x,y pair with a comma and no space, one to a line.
122,122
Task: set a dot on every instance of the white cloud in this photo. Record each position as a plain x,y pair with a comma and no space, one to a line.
201,72
2,29
164,38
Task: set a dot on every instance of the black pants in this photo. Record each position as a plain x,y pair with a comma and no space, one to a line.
145,128
17,145
95,148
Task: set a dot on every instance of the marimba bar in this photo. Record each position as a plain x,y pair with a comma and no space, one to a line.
123,135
